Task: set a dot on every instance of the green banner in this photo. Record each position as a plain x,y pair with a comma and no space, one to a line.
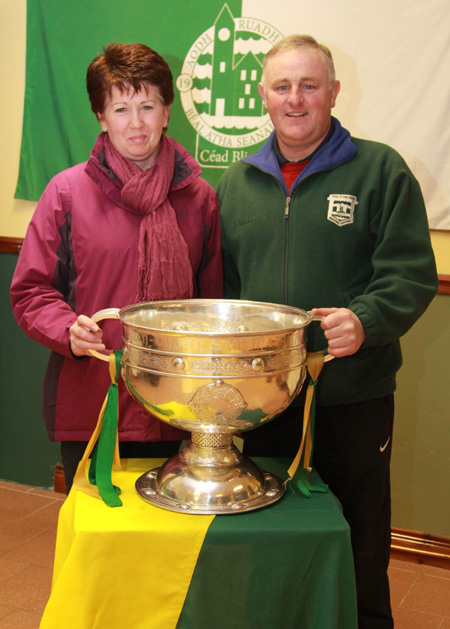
63,37
215,56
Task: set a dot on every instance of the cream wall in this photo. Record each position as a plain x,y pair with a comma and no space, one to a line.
441,246
15,214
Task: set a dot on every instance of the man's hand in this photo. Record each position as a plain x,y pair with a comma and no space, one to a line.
85,334
342,329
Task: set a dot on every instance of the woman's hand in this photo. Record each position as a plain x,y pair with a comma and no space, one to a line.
85,334
343,330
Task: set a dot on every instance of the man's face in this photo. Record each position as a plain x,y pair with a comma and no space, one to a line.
299,99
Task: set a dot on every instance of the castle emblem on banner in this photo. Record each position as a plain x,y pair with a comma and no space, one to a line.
341,208
218,87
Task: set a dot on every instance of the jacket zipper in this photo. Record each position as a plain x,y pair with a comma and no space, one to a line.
286,209
286,249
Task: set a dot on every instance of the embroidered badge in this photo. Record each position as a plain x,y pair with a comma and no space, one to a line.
341,208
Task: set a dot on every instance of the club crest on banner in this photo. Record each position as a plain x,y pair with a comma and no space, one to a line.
341,208
218,87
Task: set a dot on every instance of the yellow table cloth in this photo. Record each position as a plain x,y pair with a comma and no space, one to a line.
175,541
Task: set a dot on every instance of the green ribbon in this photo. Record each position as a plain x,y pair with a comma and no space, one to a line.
103,452
301,476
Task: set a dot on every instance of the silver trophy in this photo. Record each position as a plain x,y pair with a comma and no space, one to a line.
215,368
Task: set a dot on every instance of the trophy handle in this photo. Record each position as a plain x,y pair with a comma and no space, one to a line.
327,357
107,313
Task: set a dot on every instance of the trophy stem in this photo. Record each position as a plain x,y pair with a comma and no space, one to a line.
212,439
210,449
209,476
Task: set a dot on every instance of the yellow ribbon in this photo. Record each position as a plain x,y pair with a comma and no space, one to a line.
314,362
81,481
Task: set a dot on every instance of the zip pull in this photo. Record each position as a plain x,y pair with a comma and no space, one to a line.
286,209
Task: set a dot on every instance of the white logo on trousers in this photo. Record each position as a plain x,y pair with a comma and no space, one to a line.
383,448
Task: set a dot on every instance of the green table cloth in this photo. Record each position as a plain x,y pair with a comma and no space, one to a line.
288,565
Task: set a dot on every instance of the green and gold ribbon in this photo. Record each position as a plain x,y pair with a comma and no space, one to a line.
104,445
300,468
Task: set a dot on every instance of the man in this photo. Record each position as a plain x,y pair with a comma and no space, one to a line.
318,218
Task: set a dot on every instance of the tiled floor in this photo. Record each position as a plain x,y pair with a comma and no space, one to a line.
28,520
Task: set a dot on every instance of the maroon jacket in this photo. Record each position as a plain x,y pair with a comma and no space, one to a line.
80,255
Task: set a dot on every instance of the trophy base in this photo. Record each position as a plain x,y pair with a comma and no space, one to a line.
210,480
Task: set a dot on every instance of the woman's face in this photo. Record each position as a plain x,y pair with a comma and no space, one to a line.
134,122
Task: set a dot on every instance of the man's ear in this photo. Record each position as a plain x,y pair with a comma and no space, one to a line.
261,93
334,92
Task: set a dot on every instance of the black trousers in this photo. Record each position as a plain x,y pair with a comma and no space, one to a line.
72,453
352,451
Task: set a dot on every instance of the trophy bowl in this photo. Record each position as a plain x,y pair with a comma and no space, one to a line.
212,367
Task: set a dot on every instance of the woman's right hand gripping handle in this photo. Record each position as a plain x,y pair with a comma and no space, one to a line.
86,335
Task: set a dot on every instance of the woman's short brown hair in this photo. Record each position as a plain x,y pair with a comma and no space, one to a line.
127,65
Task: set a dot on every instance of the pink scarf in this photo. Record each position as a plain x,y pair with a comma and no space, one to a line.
165,271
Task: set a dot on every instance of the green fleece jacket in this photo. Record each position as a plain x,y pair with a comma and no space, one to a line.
353,233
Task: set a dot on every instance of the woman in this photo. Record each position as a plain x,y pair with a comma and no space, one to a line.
135,223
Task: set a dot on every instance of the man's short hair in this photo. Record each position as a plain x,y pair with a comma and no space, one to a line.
292,42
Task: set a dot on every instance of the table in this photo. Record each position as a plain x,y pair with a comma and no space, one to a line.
288,565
